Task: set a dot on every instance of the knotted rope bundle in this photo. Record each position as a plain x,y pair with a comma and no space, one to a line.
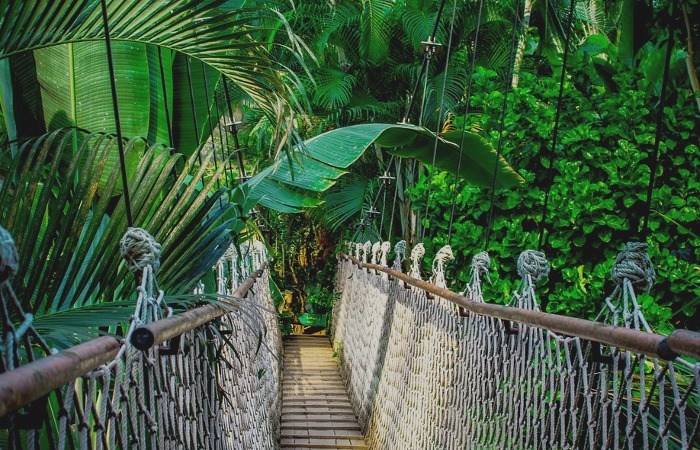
140,250
400,254
384,252
443,255
533,263
9,261
366,248
481,263
416,256
376,248
634,264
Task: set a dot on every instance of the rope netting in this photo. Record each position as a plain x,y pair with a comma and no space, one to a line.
220,390
423,374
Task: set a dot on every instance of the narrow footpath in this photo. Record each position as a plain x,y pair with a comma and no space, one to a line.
316,410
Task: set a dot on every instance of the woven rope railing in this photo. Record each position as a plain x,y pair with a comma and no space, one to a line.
428,368
219,391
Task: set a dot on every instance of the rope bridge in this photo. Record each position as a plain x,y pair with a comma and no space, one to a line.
428,368
214,386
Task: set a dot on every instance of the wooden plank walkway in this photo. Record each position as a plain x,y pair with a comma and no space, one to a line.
316,410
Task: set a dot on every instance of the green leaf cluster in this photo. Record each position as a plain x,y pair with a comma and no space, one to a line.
598,195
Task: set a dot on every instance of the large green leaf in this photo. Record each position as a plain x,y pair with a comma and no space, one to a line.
226,40
320,160
67,235
186,136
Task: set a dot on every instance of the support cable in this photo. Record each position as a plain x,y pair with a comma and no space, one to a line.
224,138
194,110
117,121
393,205
171,135
233,129
555,134
464,127
503,119
657,137
211,128
430,47
438,127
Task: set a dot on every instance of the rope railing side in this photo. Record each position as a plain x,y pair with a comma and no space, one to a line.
685,343
422,373
110,394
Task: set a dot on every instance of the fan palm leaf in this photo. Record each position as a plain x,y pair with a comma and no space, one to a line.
67,231
231,42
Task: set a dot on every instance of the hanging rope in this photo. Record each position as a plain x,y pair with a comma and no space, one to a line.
657,135
426,60
393,204
165,98
193,107
503,120
223,137
464,127
234,131
555,134
117,121
211,127
438,126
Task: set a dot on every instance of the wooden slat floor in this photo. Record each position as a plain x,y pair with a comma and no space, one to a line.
316,410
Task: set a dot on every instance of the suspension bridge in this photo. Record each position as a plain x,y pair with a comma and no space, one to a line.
415,366
409,364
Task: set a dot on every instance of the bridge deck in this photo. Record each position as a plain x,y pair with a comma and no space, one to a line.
316,411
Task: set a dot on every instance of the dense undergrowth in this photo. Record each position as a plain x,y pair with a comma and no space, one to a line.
598,196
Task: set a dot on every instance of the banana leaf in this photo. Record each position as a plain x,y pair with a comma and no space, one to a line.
321,160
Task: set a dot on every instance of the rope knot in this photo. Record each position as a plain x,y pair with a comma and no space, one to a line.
533,263
416,256
366,248
481,263
400,254
376,248
9,261
384,252
139,249
634,264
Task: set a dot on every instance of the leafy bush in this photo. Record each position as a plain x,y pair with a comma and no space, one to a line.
600,178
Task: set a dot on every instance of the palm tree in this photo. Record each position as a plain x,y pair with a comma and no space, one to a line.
61,194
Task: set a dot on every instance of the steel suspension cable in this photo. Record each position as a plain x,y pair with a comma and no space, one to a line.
503,119
555,134
464,127
657,136
438,126
117,121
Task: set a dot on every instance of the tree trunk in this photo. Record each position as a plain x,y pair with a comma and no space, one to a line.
690,64
520,50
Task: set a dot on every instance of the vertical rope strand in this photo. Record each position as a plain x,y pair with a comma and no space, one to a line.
464,126
657,137
234,131
393,205
555,134
424,63
165,98
438,126
224,138
503,119
117,121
